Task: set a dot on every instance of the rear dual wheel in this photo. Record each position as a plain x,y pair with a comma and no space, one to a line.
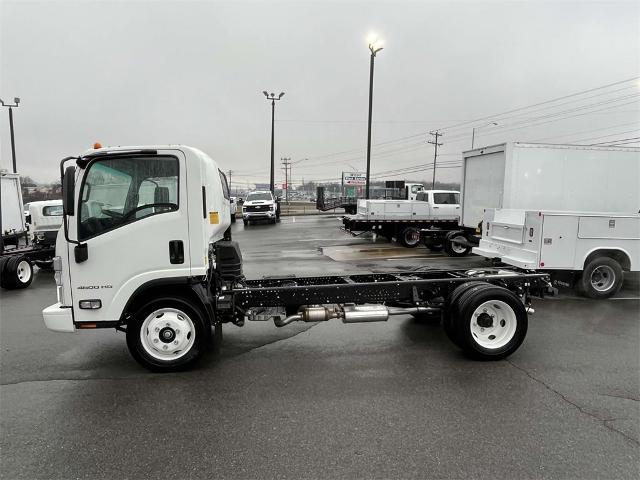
486,321
409,237
15,272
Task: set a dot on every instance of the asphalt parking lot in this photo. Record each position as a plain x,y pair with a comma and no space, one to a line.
389,400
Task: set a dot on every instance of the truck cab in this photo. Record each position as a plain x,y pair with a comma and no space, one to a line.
413,189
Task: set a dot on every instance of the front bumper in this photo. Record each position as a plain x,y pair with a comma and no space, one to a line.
58,318
265,214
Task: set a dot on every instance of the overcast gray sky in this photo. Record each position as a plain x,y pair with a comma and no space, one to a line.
144,72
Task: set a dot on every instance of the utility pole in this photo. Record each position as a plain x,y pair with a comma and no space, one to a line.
286,166
435,154
273,98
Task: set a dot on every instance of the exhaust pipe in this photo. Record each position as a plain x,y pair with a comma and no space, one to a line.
350,314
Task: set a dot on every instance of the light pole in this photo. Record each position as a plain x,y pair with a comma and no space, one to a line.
16,103
473,132
375,45
273,98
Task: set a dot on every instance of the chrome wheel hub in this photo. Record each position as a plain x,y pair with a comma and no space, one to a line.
167,334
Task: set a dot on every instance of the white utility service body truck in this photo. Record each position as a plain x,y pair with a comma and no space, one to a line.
18,252
587,250
162,268
536,176
404,219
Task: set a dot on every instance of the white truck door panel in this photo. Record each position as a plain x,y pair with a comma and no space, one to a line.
121,259
621,228
483,186
445,204
559,235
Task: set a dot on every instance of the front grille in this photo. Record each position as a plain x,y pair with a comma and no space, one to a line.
257,208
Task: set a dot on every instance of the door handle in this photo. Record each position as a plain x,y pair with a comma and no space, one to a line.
176,251
436,207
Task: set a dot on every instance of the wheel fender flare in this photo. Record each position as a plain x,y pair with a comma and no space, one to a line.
619,254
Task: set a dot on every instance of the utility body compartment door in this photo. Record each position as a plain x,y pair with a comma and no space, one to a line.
559,236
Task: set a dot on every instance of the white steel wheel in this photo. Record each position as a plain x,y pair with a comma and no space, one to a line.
167,334
456,247
602,278
24,272
493,324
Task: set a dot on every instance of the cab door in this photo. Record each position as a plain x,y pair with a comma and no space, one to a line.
446,204
132,215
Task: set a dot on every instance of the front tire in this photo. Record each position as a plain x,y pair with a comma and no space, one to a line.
601,278
245,221
167,334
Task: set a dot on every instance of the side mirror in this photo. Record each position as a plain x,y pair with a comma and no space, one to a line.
68,191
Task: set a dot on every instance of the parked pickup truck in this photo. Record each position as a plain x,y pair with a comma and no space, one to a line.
435,211
260,205
589,251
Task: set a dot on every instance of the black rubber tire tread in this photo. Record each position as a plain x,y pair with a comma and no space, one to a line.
246,222
17,284
3,264
450,308
584,283
402,237
448,248
468,302
9,273
203,335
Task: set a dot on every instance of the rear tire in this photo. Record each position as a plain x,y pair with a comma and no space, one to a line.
168,334
601,278
453,249
491,322
434,245
16,273
409,237
450,308
246,222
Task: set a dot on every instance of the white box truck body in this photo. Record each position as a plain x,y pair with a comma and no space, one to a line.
12,208
533,176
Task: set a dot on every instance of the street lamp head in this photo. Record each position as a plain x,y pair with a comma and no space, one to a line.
281,95
16,100
265,93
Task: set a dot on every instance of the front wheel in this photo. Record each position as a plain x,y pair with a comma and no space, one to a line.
167,334
601,278
245,221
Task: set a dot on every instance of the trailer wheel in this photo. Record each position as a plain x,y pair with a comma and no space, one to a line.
491,323
167,334
601,278
409,237
453,249
17,273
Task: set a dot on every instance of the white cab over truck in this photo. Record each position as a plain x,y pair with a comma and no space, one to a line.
532,176
437,211
587,250
146,249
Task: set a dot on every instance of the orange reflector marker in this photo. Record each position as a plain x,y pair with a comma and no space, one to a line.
87,325
97,145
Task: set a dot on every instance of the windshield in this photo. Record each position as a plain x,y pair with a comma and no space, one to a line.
121,190
258,196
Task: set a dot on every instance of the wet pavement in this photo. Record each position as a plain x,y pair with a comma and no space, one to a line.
389,400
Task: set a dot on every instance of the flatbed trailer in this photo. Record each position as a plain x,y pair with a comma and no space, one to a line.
171,302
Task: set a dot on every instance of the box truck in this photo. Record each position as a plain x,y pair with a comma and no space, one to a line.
535,176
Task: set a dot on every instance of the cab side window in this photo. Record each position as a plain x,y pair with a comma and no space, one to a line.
117,191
